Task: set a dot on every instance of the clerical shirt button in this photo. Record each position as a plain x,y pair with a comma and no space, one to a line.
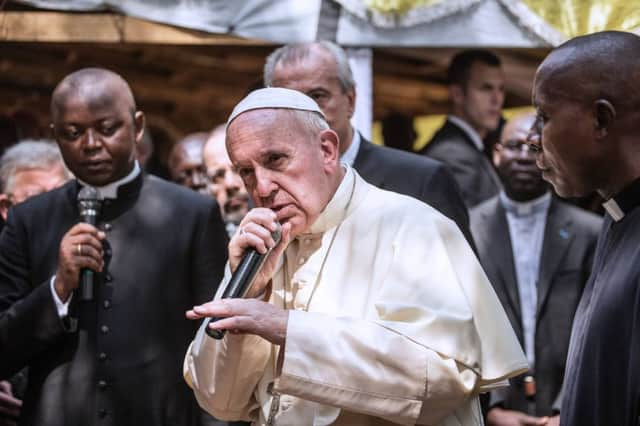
102,384
104,329
102,413
102,356
106,304
108,278
107,227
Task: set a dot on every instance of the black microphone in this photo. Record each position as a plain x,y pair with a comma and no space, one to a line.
89,204
242,279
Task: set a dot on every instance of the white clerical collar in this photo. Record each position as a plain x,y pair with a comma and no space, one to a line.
335,210
613,208
526,208
470,131
349,156
111,190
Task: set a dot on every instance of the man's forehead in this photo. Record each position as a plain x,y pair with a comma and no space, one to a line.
93,100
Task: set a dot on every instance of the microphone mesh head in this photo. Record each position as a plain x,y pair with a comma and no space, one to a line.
89,193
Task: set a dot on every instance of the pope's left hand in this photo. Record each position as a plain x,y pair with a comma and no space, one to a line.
250,316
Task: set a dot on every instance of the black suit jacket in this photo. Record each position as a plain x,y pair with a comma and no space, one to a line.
567,254
121,363
418,177
473,171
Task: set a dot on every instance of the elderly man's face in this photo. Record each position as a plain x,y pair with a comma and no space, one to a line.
97,132
30,182
226,185
481,100
317,77
563,135
284,167
26,183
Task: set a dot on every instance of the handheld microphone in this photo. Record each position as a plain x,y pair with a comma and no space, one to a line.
242,279
89,204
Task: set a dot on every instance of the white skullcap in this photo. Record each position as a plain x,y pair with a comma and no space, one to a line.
275,97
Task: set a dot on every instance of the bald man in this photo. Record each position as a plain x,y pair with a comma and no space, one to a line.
226,185
537,252
186,163
587,134
114,358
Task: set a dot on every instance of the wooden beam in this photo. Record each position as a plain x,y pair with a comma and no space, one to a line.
104,28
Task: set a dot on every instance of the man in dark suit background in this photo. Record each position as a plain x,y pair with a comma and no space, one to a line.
321,71
117,359
537,252
476,89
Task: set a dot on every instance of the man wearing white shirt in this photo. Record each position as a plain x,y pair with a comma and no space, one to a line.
115,359
476,89
372,309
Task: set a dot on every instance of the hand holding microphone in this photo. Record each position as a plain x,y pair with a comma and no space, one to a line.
80,251
254,245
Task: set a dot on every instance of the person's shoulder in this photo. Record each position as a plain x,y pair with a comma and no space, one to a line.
485,208
180,197
394,205
397,158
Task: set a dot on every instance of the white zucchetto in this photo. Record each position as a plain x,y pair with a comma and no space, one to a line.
274,98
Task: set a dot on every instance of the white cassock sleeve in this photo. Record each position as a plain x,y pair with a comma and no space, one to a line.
224,373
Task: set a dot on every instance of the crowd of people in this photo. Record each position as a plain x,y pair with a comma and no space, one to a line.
453,286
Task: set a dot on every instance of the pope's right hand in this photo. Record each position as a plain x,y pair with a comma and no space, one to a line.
254,232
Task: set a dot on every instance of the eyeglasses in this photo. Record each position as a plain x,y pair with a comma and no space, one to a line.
519,145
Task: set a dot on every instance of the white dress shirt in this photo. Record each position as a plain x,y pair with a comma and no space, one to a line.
349,156
527,221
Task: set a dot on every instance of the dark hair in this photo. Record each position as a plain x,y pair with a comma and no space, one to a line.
458,71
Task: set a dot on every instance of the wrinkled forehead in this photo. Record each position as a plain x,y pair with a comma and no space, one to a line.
253,132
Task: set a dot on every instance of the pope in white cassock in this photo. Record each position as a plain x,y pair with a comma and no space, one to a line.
372,309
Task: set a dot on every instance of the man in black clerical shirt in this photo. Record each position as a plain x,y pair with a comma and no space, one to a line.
587,132
157,249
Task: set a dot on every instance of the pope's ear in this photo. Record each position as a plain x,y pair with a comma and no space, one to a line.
5,204
330,145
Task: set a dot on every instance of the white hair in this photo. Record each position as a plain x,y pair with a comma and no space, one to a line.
25,155
292,53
